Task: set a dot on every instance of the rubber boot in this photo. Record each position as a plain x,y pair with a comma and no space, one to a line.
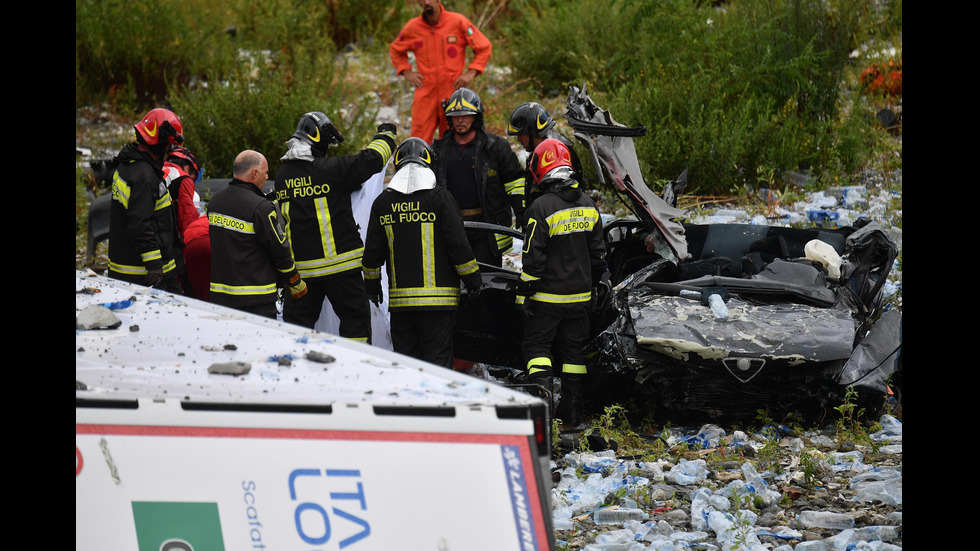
545,380
572,399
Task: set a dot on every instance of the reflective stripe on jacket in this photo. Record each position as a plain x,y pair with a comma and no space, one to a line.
249,254
420,238
142,235
563,247
316,205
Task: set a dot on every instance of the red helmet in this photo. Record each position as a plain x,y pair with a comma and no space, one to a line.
160,126
549,155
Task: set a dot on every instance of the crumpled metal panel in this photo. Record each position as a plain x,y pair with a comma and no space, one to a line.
686,330
612,143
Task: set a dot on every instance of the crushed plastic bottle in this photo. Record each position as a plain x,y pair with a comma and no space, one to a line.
756,484
686,472
849,537
823,217
718,306
633,546
616,536
815,545
825,519
617,516
888,491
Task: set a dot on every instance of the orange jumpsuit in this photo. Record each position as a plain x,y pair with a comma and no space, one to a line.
440,54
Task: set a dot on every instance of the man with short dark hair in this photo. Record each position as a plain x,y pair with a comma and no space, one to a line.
249,253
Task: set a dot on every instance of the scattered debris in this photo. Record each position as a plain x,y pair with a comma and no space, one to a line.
319,357
230,368
96,317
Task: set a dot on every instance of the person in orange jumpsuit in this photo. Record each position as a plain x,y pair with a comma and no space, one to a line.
438,38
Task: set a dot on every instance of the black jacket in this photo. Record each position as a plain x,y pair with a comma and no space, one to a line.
563,248
499,176
421,240
249,253
315,200
142,232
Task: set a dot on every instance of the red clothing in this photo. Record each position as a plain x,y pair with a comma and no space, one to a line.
186,209
440,54
197,257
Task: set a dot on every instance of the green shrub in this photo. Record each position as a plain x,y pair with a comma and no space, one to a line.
132,53
259,111
287,66
724,91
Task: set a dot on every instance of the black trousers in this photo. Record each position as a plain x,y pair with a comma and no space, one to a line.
346,294
424,334
567,330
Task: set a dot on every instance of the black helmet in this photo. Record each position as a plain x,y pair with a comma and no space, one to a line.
414,150
316,129
465,102
530,118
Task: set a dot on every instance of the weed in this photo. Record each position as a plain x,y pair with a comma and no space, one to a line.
849,425
555,433
810,473
741,525
613,425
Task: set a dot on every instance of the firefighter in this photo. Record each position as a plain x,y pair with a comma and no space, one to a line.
142,235
249,254
314,192
531,124
438,38
482,173
562,260
416,231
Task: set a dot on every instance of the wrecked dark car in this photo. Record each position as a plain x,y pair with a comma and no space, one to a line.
711,322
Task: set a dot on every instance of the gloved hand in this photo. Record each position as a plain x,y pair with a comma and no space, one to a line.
297,287
387,127
472,293
474,284
154,277
525,312
526,288
376,299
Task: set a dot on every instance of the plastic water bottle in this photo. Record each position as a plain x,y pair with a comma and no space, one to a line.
825,519
815,545
718,306
888,492
866,533
823,217
617,516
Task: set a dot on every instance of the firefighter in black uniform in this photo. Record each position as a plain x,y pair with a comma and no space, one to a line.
143,245
314,192
532,124
249,253
482,173
562,261
416,230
